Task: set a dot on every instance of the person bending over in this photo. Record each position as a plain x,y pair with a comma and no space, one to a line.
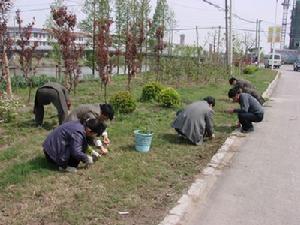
195,121
66,145
250,109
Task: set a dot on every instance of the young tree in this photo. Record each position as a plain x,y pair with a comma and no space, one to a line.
94,11
49,23
5,43
122,9
25,49
159,18
71,53
131,56
104,42
159,47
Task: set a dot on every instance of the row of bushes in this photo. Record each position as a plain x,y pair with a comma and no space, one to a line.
21,82
250,69
124,102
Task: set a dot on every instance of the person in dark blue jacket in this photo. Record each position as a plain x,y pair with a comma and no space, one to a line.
250,109
65,146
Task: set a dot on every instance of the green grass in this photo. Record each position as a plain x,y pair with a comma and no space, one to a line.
145,185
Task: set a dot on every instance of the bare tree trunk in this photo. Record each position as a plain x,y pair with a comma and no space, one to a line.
5,73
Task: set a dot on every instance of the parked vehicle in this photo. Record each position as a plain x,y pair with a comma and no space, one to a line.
297,65
277,61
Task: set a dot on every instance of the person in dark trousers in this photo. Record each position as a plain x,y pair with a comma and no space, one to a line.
66,145
250,109
103,112
195,121
246,87
53,93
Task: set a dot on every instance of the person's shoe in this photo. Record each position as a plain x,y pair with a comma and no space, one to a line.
248,130
68,169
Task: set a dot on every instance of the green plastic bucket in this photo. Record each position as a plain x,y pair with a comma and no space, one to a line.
142,141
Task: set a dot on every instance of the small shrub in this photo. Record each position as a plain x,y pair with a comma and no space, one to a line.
250,69
8,108
169,97
151,91
20,81
123,102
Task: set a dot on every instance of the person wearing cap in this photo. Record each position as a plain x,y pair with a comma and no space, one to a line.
103,112
250,109
195,121
246,87
66,145
54,93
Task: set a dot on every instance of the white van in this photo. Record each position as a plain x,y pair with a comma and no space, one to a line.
268,60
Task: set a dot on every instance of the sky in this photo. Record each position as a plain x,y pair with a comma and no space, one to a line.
188,15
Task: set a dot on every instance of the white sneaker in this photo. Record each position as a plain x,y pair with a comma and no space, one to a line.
69,169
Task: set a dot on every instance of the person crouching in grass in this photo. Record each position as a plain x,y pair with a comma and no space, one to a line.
66,145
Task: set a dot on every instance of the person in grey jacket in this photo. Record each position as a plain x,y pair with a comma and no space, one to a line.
103,112
195,121
53,93
246,87
65,146
250,109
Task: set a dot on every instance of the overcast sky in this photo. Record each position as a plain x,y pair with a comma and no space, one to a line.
189,14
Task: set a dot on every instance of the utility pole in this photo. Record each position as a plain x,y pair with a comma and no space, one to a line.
273,36
230,38
219,41
94,37
258,43
256,34
198,50
226,36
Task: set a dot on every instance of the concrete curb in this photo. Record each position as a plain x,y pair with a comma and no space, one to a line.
206,179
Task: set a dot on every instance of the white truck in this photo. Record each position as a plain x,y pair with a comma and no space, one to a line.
268,60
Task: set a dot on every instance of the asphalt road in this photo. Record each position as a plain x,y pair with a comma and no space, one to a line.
262,184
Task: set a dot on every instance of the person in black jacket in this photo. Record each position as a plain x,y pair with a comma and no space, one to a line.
53,93
250,109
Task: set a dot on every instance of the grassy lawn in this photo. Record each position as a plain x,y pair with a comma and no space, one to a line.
144,185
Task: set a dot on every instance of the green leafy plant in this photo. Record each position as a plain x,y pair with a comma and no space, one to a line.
8,108
20,81
151,91
250,69
169,97
123,102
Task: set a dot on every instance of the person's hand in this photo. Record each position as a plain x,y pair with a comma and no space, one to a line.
103,151
238,124
95,155
230,111
89,161
106,140
69,105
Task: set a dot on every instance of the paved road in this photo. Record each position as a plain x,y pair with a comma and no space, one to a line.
262,185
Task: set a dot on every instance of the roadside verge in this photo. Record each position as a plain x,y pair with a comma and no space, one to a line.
199,190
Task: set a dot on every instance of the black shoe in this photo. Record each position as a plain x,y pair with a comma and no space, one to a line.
247,131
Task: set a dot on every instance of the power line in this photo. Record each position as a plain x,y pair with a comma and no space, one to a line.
233,14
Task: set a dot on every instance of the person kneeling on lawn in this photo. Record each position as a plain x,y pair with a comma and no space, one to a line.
250,109
103,112
196,121
66,145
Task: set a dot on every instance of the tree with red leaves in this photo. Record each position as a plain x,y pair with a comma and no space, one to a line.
63,31
158,48
25,49
135,38
104,42
5,43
